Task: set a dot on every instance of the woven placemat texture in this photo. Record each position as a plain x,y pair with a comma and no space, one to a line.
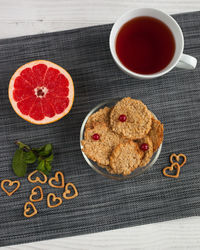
102,204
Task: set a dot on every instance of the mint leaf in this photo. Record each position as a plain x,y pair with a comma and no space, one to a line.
47,149
48,166
38,149
26,155
29,157
49,159
45,172
39,159
41,166
22,145
18,165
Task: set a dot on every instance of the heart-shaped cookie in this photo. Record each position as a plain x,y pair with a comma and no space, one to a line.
33,179
53,198
68,191
34,193
58,175
176,166
180,159
10,183
27,207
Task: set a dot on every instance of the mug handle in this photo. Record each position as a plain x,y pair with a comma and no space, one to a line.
187,62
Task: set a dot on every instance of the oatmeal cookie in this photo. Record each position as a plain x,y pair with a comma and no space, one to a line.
131,118
125,158
156,133
102,115
148,153
99,142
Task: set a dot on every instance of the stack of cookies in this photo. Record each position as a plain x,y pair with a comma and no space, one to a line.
122,138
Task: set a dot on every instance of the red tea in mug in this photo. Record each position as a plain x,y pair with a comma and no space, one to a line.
145,45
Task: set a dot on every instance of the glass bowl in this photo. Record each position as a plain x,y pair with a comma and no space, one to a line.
103,171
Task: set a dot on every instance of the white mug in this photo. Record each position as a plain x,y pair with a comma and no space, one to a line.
179,59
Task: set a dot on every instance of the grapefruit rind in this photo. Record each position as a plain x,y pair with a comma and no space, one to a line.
46,120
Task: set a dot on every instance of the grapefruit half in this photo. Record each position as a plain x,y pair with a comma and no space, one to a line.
41,92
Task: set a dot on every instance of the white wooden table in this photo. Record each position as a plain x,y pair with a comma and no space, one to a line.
26,17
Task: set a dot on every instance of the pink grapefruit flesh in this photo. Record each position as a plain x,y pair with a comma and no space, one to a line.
41,92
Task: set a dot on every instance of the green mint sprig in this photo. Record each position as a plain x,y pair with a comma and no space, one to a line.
25,156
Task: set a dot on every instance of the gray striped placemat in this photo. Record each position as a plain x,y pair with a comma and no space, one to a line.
102,204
